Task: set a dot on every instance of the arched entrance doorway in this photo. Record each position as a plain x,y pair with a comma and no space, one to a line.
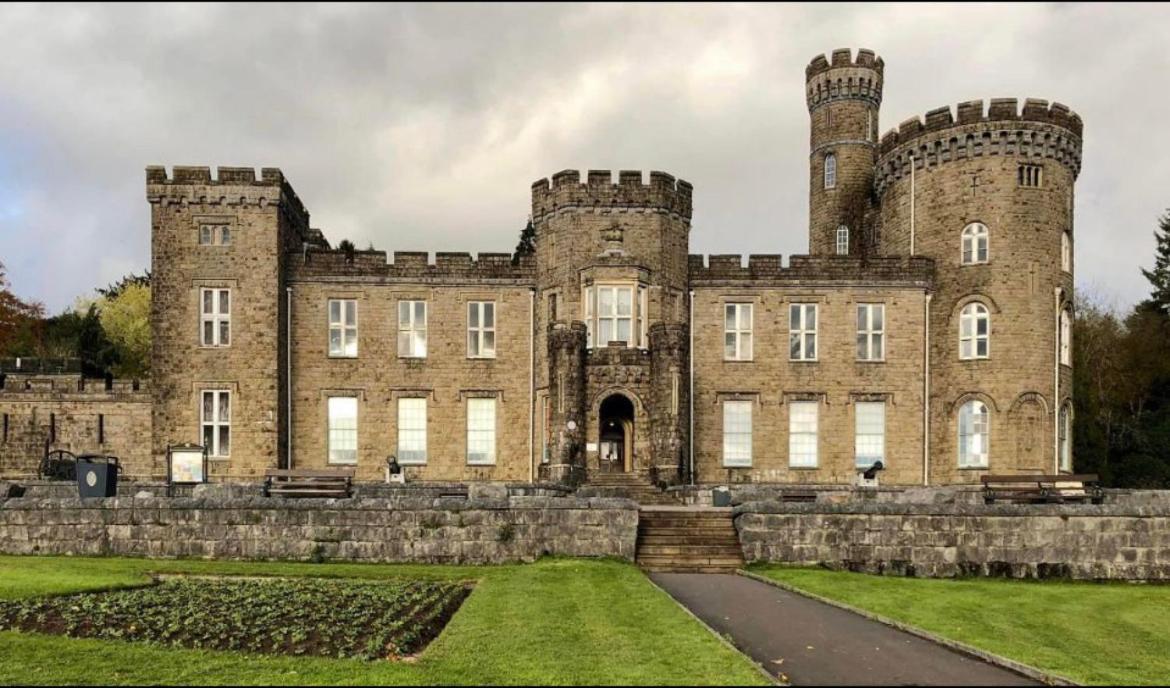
616,442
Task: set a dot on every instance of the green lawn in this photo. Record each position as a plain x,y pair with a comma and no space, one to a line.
1097,633
558,621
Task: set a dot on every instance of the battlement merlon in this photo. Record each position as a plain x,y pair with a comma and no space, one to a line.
972,112
230,186
412,266
663,194
844,78
768,271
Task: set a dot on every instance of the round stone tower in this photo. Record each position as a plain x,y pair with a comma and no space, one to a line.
844,97
989,197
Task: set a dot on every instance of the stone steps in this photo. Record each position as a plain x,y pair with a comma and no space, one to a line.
688,540
633,486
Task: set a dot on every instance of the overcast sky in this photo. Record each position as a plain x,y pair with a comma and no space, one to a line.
422,127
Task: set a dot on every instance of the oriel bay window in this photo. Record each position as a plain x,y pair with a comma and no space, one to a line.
615,313
215,419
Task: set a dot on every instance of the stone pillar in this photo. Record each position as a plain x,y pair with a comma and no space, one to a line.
669,403
566,393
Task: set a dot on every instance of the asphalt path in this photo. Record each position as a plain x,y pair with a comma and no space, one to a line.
805,642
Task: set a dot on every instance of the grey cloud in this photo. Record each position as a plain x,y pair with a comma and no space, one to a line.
421,127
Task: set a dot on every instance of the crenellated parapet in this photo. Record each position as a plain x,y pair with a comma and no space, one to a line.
18,386
845,77
599,193
1039,131
413,266
768,270
231,186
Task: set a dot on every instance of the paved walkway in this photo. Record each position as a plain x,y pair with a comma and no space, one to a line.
821,644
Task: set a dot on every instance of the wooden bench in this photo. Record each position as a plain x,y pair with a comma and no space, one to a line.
304,482
1042,488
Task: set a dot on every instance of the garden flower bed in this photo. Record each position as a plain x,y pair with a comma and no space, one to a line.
305,616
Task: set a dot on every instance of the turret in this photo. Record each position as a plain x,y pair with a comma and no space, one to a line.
844,96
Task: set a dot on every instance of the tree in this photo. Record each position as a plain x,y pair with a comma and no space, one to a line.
1159,277
527,243
18,318
125,320
113,290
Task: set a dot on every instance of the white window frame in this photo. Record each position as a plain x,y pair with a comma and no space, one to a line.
480,335
594,318
411,332
1066,251
412,431
842,240
477,437
217,317
975,248
1065,439
216,235
974,430
1066,336
869,433
799,457
802,335
871,337
738,344
737,433
335,431
969,337
830,170
347,331
216,423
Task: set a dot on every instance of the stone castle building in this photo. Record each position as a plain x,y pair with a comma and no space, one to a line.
928,328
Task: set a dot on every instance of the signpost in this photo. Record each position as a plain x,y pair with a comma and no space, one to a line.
186,465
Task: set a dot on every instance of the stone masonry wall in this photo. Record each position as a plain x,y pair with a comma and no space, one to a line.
1110,541
397,529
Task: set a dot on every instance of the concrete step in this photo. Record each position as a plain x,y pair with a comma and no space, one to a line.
685,560
688,539
682,551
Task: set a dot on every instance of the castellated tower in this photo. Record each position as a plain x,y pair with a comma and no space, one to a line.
612,280
989,195
843,96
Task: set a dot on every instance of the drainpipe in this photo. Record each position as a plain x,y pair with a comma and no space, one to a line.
531,381
691,395
1056,386
288,377
912,194
926,392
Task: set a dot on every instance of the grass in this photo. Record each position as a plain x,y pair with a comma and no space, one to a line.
1094,633
558,621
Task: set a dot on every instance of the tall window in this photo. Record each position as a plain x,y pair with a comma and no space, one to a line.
1065,439
1065,251
830,171
842,240
871,332
1066,337
343,429
216,316
216,420
343,327
737,433
974,331
802,332
975,237
737,331
869,443
481,431
481,329
974,435
802,434
412,329
615,313
412,430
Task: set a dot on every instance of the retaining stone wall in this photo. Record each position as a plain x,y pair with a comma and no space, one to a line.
1128,541
422,529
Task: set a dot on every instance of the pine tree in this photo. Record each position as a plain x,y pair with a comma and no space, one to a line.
527,243
1159,277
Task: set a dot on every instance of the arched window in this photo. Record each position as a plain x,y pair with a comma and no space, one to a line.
1065,337
975,243
1065,251
974,331
1065,430
830,171
842,240
974,434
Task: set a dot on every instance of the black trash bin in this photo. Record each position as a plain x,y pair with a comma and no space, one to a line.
97,475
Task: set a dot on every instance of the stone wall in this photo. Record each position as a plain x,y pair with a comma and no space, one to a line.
486,529
1127,541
